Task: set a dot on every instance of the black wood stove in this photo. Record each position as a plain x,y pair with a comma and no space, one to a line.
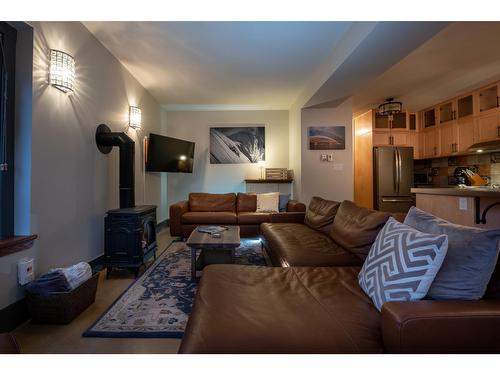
130,231
130,237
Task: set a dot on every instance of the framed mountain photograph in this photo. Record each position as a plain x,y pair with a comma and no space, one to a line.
237,145
326,137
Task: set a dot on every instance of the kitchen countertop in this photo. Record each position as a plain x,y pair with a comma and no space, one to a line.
479,191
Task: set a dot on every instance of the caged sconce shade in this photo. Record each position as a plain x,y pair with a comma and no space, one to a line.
134,117
62,71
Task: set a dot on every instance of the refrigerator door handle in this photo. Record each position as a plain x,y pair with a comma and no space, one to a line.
395,170
400,162
396,199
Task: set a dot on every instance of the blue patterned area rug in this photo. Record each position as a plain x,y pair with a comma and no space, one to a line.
159,302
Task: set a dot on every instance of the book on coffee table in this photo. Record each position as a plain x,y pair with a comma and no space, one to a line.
211,229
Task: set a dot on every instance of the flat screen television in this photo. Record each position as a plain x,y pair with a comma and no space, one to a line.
167,154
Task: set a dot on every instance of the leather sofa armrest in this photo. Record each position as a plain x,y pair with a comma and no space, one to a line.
441,326
295,206
287,217
176,211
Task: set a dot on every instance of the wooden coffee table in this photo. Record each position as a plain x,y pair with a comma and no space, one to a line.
213,250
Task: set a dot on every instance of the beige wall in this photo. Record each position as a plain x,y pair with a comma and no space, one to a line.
357,32
330,180
72,183
222,178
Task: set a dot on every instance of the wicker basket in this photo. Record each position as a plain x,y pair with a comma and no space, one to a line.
62,308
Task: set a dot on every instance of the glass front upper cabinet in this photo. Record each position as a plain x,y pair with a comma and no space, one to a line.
413,121
429,118
399,120
446,112
381,121
488,98
465,106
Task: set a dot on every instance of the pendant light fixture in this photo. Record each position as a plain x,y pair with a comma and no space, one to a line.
390,107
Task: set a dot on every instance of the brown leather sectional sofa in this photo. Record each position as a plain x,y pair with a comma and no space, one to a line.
226,209
313,302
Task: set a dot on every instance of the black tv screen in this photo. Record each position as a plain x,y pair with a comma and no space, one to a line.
167,154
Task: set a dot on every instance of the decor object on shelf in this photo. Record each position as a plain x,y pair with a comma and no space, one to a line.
390,107
62,71
261,164
326,137
276,174
237,145
402,263
134,117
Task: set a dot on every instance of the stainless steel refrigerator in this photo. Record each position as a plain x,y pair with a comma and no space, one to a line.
393,178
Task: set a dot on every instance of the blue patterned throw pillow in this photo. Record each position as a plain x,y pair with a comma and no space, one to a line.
402,263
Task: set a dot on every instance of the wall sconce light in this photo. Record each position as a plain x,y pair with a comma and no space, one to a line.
62,71
134,117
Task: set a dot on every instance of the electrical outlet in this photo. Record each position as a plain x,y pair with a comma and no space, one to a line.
462,204
323,157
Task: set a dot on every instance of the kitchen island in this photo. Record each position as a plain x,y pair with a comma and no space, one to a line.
471,206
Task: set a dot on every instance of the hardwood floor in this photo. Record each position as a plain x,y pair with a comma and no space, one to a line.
55,339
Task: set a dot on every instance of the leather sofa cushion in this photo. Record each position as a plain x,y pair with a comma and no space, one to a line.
250,309
294,244
355,228
253,217
320,214
246,202
209,218
206,202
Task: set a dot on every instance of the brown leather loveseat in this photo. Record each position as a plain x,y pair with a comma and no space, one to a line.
226,209
320,308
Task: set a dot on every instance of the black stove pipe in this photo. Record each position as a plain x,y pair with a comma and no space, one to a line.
105,140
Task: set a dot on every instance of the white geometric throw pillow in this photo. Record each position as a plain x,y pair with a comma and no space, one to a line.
402,263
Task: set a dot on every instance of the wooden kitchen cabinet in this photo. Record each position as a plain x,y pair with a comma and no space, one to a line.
400,138
429,143
465,106
447,112
381,138
455,137
488,98
429,118
381,121
399,121
394,138
465,133
413,141
487,127
412,121
448,139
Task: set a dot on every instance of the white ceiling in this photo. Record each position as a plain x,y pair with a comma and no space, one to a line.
259,64
459,58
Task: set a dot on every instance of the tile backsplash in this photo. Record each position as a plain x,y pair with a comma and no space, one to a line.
442,170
